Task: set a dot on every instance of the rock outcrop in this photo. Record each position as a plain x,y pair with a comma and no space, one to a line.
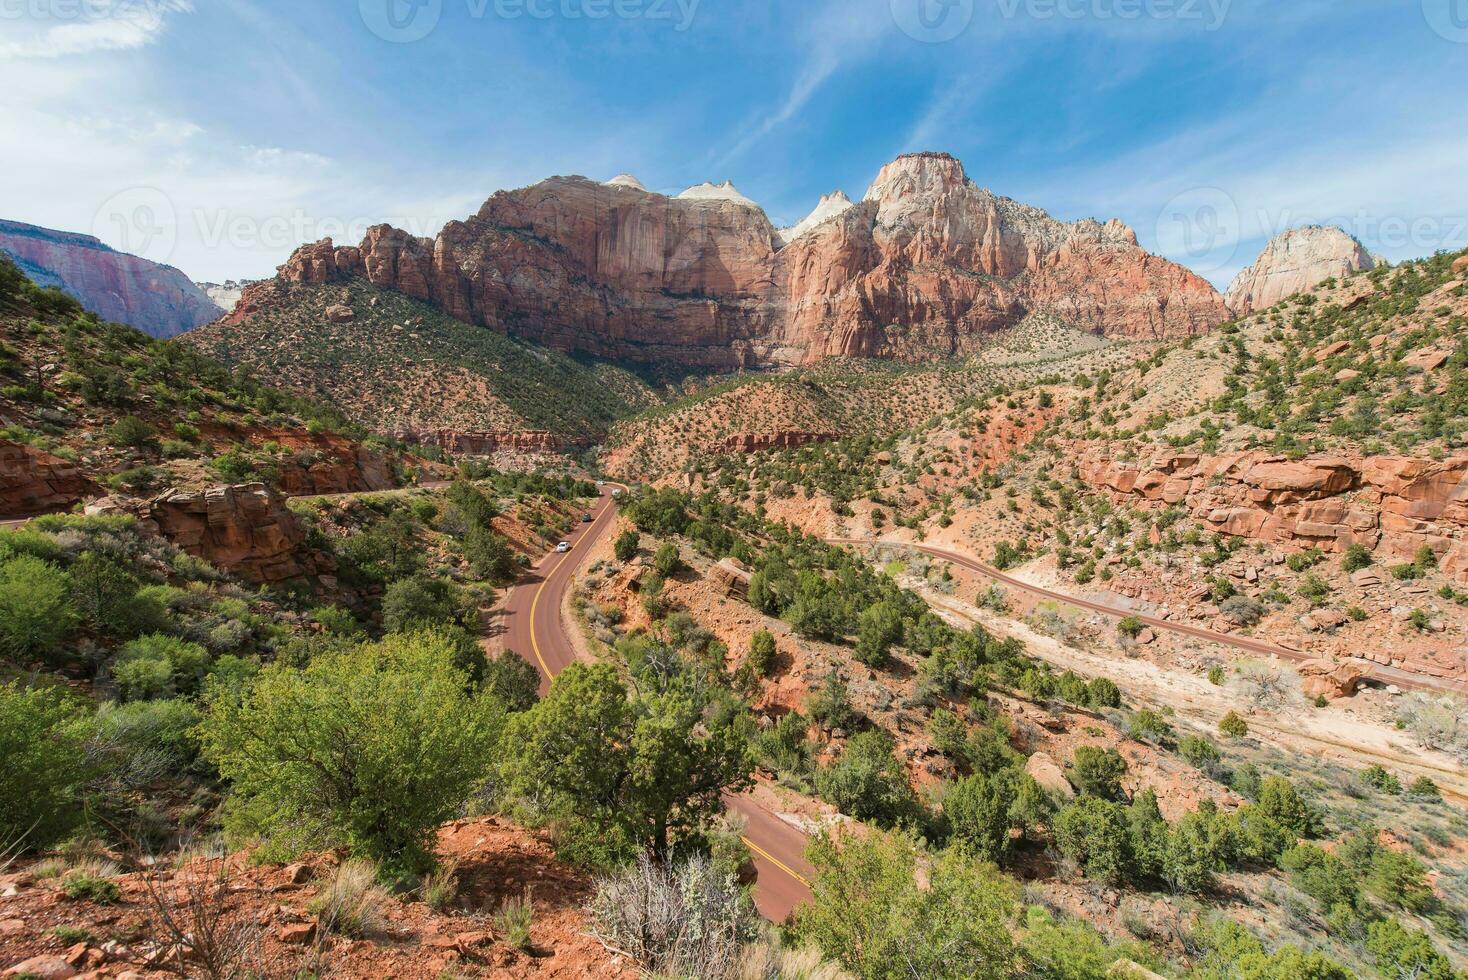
486,443
157,299
1294,262
1330,679
1389,504
242,529
322,463
758,442
926,267
34,482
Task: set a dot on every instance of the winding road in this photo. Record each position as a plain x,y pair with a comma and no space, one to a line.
1376,672
535,629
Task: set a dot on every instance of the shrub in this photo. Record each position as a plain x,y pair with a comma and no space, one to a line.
1381,780
489,554
831,705
1356,558
982,810
1201,753
1131,626
1242,610
1102,692
36,612
1147,725
867,781
42,766
762,653
130,432
1233,725
84,885
676,919
1400,952
868,912
1097,772
156,665
1401,880
626,545
515,916
666,561
351,903
1092,832
372,746
878,628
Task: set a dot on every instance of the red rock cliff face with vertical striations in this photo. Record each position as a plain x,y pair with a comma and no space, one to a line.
926,267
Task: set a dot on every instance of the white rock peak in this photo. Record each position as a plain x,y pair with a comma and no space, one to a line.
626,180
717,192
832,205
1294,262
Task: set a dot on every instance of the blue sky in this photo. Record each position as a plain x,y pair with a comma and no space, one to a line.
218,134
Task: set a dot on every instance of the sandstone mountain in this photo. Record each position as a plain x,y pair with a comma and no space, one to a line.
1295,261
926,267
157,299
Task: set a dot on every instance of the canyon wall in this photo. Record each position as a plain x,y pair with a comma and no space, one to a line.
925,267
34,482
157,299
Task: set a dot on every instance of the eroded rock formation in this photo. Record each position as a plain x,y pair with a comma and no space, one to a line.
1389,504
923,268
1296,261
157,299
242,529
756,442
486,443
34,482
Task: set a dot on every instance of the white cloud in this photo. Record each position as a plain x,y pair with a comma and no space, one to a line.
60,30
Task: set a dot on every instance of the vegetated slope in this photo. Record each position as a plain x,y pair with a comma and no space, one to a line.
847,398
92,403
157,299
398,365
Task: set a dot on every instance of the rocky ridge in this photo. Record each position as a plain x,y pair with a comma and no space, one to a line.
926,267
1389,504
157,299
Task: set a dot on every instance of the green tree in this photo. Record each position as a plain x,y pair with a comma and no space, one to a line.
762,653
1406,954
878,628
489,554
867,781
666,561
416,602
868,912
1401,880
36,613
372,746
107,597
1281,802
1092,832
1233,726
626,545
632,772
983,809
42,767
513,680
1097,771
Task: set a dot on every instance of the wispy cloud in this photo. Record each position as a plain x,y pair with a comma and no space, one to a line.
100,25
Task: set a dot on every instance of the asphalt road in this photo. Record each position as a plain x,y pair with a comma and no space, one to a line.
1381,674
533,628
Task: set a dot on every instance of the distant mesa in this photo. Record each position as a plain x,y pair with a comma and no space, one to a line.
226,295
1297,261
157,299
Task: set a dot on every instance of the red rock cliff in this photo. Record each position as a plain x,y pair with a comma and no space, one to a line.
926,266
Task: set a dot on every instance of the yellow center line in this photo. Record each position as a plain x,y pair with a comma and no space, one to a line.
760,851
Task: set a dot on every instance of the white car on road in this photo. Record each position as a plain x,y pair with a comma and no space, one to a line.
563,547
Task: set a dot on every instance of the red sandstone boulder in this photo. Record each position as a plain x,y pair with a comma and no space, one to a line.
1330,679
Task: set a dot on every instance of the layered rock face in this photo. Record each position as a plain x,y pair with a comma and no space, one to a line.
157,299
243,529
1294,262
486,443
758,442
924,268
1389,504
34,482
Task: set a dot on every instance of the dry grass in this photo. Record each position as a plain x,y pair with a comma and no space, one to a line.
351,903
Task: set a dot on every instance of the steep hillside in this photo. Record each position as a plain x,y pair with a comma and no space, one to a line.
929,265
398,365
157,299
88,406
